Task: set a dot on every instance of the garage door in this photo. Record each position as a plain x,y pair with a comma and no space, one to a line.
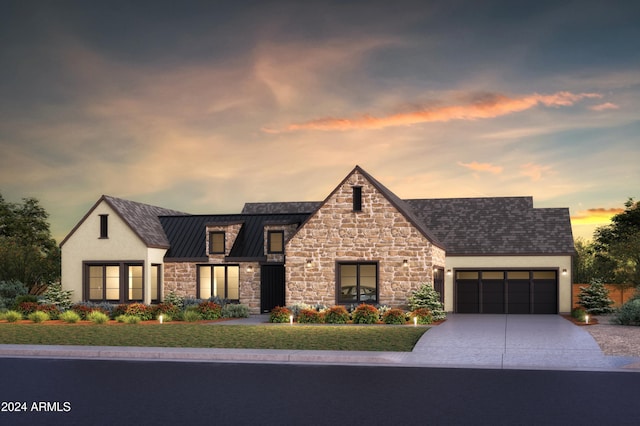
506,292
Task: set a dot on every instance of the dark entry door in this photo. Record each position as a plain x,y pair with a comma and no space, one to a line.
271,287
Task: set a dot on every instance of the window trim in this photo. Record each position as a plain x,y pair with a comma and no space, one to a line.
358,301
224,242
269,235
104,226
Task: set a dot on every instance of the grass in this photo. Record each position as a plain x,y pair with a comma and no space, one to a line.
300,337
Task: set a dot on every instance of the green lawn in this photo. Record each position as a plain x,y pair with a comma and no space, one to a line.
325,337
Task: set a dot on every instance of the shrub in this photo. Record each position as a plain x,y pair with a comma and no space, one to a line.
427,297
38,316
26,307
423,314
309,316
128,319
85,308
235,310
336,315
578,313
9,291
55,295
12,316
191,315
97,317
209,310
296,308
189,302
166,309
173,299
25,298
279,314
70,317
629,313
140,310
394,316
365,314
219,301
595,298
52,310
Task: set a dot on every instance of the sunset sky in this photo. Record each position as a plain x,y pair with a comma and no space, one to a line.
200,106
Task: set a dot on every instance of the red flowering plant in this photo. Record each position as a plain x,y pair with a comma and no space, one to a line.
52,310
83,309
140,310
394,316
27,307
423,314
336,315
365,314
209,310
309,316
169,309
280,314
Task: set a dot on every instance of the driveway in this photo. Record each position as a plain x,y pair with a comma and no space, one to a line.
512,341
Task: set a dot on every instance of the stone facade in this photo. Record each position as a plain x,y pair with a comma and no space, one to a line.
378,233
180,278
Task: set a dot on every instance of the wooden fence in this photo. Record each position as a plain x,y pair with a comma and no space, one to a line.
617,293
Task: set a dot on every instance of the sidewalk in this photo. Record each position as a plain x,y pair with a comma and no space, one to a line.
463,341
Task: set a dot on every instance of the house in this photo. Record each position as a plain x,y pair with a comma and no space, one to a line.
361,244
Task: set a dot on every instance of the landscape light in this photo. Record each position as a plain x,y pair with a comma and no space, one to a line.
160,318
290,319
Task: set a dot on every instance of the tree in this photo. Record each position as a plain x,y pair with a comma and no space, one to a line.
427,297
617,245
595,298
28,253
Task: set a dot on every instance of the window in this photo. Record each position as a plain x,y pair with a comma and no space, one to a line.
357,282
357,198
216,242
218,281
156,280
116,282
104,226
275,242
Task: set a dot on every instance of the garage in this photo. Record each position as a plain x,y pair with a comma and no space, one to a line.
506,292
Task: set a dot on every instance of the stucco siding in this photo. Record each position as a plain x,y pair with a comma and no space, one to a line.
86,245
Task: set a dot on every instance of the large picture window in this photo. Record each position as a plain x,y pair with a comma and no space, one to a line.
114,282
218,281
357,283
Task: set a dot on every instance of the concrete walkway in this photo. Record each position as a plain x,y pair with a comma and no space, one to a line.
463,341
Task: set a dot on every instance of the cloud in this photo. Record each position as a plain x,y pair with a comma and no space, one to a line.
487,106
595,216
482,167
534,171
604,107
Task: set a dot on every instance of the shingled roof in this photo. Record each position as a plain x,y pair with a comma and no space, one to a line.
477,226
143,219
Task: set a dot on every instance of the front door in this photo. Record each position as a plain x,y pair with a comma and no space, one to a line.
272,292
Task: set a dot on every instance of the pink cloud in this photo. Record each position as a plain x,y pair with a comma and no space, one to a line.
482,167
534,171
489,106
604,107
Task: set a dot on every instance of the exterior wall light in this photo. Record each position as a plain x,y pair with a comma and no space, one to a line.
564,271
405,263
249,268
309,263
448,271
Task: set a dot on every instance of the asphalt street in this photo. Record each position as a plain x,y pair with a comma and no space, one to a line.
99,392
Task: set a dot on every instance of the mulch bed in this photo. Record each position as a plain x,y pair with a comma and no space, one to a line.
592,320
